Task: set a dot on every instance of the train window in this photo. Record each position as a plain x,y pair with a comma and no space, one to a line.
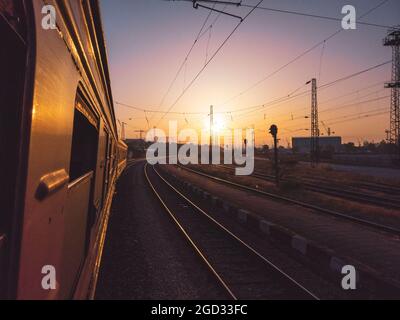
84,142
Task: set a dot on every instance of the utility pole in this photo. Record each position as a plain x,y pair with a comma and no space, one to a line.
274,132
315,133
211,131
393,40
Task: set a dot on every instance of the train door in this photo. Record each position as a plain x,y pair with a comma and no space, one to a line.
79,204
16,72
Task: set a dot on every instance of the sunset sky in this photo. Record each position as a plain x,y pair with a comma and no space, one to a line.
148,40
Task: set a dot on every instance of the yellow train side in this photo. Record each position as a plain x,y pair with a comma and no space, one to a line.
66,157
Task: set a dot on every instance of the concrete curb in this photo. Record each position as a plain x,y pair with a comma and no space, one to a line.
316,254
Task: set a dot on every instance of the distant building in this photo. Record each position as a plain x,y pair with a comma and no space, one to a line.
303,144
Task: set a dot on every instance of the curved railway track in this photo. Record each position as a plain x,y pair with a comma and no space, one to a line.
240,269
315,208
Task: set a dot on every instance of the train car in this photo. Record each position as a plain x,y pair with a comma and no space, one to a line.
61,156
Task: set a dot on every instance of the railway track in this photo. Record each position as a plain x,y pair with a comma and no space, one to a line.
380,187
342,193
336,192
241,270
315,208
369,186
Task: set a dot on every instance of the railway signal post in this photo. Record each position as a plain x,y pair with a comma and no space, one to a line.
211,132
274,132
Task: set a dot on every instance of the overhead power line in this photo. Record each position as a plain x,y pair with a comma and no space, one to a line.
155,111
354,118
355,114
343,107
294,118
299,13
350,94
304,14
353,104
298,57
322,87
208,62
184,62
327,85
360,117
269,104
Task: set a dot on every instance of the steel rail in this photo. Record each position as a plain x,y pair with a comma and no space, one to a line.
223,229
368,223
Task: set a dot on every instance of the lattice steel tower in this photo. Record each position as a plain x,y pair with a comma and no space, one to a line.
314,123
393,40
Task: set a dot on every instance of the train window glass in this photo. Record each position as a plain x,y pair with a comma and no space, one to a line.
84,144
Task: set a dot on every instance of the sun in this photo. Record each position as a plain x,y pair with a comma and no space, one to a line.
219,124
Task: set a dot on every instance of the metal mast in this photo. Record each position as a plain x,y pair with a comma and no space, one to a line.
314,124
393,40
211,131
